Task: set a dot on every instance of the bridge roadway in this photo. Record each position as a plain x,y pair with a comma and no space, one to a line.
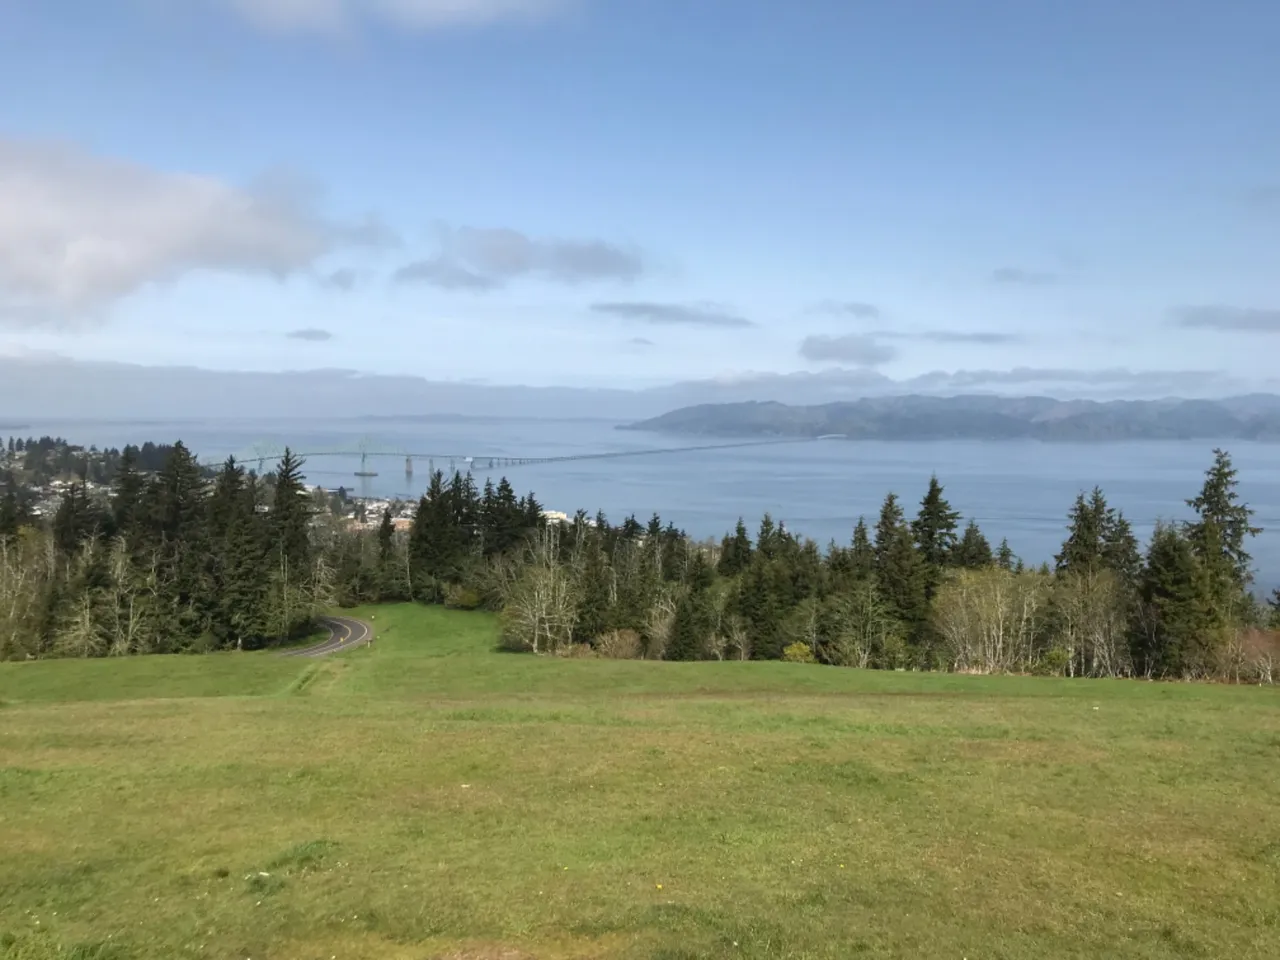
517,461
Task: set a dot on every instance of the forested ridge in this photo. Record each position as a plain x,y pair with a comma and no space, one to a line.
984,417
177,560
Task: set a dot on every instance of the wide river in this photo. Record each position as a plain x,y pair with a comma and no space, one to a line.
1021,490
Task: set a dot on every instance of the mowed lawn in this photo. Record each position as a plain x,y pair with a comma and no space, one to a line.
430,797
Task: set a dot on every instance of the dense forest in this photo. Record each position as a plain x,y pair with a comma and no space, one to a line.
179,560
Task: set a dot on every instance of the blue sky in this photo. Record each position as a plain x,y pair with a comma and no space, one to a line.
603,192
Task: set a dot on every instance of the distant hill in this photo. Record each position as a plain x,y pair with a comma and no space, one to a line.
1253,417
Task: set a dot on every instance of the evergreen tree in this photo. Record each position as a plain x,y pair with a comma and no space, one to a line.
386,534
226,502
128,490
767,538
175,504
1005,559
9,511
974,551
901,576
759,598
1218,506
67,523
934,528
691,628
291,516
1274,603
1083,547
698,573
862,555
502,520
806,571
428,547
243,599
1099,537
735,551
595,597
1120,551
887,528
176,498
1182,628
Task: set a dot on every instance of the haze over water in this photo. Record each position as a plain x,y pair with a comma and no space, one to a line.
1021,490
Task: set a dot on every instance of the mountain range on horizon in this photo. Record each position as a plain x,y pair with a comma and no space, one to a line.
983,417
50,387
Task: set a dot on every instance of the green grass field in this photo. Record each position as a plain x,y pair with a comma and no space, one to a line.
430,797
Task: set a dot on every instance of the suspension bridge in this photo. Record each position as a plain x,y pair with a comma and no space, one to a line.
369,452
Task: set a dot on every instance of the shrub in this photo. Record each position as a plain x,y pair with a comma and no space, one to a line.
798,652
620,645
462,598
1054,663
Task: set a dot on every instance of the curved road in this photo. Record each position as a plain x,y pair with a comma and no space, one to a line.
344,634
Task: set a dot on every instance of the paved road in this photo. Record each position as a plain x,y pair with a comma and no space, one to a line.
344,634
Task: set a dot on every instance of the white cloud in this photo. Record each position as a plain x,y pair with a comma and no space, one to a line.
79,231
325,16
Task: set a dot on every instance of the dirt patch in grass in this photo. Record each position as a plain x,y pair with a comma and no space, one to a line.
486,953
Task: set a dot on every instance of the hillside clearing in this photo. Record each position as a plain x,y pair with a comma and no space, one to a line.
429,797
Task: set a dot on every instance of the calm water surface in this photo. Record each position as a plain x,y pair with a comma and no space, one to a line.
1019,489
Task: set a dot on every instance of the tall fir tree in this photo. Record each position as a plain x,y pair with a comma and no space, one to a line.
243,599
227,500
291,515
1082,549
901,575
1005,558
891,521
1224,524
176,507
128,489
767,539
862,554
386,537
1120,551
1099,537
428,539
1182,629
595,596
934,527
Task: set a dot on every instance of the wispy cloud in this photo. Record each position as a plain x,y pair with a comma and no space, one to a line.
311,334
1235,319
505,254
1018,276
343,279
486,258
1171,382
983,337
859,349
331,16
445,274
848,308
80,231
641,342
698,315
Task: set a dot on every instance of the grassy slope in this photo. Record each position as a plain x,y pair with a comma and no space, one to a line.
785,811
